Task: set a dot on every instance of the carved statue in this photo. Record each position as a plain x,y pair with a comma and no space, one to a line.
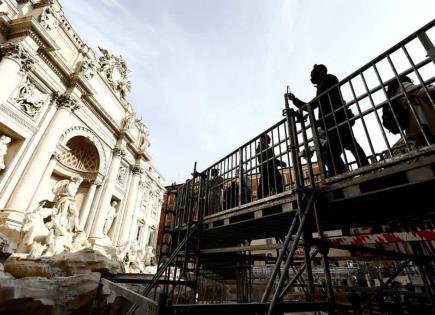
79,242
149,256
135,259
65,192
4,141
111,215
143,136
34,229
124,87
59,239
128,121
27,99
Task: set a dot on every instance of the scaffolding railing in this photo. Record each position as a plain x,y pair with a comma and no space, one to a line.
382,112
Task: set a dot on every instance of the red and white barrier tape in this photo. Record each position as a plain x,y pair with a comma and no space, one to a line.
384,238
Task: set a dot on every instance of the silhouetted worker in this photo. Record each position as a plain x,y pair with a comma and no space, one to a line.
330,105
270,178
423,110
214,195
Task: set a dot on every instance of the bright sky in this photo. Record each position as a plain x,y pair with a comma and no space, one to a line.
209,75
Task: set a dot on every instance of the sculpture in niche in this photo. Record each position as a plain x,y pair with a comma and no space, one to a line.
65,193
4,142
49,19
116,72
28,100
88,68
111,215
122,174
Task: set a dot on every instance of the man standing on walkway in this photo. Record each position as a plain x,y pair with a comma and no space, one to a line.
332,119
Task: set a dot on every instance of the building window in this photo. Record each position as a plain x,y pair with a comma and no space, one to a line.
140,228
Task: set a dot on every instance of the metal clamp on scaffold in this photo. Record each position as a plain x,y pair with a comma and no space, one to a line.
293,113
196,174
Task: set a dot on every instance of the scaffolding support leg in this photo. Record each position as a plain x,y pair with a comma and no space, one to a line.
324,250
383,287
308,267
427,286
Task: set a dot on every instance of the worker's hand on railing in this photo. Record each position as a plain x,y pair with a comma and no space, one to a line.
291,96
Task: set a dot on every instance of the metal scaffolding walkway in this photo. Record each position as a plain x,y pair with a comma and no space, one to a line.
284,224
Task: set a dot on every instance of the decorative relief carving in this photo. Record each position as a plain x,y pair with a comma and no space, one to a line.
137,170
67,101
28,99
88,68
50,17
4,142
119,152
21,54
122,175
145,199
115,71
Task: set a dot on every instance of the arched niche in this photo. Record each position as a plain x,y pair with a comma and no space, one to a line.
73,135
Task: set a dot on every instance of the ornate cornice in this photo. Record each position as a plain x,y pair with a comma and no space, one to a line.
19,53
61,74
67,101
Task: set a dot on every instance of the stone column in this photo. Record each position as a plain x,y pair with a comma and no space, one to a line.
87,204
15,62
43,182
22,195
130,205
106,195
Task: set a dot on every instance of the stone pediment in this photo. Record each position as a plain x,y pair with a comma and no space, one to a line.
115,71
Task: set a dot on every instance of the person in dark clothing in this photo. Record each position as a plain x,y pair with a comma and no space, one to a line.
271,181
231,194
331,115
214,196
